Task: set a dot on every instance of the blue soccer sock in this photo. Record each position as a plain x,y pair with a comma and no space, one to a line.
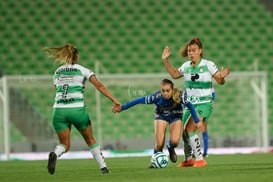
205,142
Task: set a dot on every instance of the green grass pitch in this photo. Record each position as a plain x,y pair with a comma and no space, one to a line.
221,168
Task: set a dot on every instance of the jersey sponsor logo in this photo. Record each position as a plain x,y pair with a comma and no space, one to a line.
65,77
65,101
194,76
66,70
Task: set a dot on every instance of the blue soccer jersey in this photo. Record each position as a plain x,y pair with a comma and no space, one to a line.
165,108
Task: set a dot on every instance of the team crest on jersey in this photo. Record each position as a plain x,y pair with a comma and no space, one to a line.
158,95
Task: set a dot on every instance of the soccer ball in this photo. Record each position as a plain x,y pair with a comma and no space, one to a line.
159,160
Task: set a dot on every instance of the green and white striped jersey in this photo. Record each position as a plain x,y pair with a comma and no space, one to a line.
198,80
70,80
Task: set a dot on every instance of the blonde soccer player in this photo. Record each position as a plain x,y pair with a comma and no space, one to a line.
69,107
169,103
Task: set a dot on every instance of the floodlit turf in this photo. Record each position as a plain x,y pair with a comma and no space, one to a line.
221,168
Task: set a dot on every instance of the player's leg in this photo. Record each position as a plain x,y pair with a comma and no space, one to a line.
62,127
160,130
94,148
195,143
194,139
188,161
205,138
205,111
62,147
175,133
187,146
81,121
64,140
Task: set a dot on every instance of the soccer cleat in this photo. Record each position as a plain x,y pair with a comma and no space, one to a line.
105,170
172,154
151,167
200,163
188,163
205,155
52,158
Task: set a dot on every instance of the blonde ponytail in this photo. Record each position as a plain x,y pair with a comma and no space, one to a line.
176,96
65,54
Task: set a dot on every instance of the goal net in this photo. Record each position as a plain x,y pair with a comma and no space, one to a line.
239,118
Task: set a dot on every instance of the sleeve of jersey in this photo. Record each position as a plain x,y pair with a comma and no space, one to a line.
140,100
87,73
149,99
193,113
180,70
213,68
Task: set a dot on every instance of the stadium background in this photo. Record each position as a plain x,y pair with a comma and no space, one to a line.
128,36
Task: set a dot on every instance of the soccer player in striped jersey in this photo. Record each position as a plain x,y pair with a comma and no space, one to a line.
198,73
168,111
69,107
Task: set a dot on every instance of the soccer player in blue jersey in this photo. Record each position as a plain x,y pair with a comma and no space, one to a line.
169,110
198,73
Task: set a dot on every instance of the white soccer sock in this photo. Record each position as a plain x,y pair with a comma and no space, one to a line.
196,145
97,154
59,150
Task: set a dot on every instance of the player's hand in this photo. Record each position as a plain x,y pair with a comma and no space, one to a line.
166,53
224,72
116,108
200,126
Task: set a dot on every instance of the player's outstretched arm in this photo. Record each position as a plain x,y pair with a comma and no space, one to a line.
140,100
221,75
172,71
193,113
99,86
199,125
